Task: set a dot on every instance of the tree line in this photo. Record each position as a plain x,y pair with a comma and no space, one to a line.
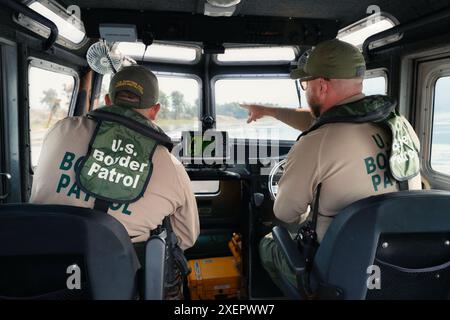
173,105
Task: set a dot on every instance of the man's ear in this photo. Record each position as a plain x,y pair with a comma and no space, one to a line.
108,101
154,111
324,86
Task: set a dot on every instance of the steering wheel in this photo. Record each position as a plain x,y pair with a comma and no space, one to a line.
274,177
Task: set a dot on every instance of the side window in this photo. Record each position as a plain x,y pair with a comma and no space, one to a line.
103,90
440,143
179,98
255,55
50,96
374,85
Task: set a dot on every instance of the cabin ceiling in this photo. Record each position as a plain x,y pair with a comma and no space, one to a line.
345,11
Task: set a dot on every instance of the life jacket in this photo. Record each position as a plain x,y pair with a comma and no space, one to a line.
404,161
118,165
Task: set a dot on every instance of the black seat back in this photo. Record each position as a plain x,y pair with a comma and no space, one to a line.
406,235
40,243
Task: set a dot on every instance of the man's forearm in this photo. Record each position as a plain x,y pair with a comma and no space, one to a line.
300,119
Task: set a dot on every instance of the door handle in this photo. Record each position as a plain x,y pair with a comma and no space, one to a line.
8,179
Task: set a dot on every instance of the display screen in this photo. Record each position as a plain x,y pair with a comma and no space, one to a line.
208,145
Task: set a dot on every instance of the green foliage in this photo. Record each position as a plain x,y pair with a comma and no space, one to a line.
231,109
52,101
164,112
174,106
68,92
50,98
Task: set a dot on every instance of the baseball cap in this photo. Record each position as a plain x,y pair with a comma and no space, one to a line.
333,59
137,80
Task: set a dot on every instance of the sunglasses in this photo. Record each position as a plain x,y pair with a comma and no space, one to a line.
304,83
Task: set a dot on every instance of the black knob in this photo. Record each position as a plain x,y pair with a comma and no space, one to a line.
208,122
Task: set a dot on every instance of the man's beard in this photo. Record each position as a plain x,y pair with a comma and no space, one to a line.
314,104
315,109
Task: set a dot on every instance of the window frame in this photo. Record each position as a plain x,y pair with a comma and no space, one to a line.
170,74
431,85
378,72
208,194
34,62
254,63
57,68
200,90
43,31
435,80
361,24
246,76
425,115
3,132
196,47
15,155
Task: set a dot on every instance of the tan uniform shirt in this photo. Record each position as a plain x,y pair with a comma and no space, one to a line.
350,160
169,191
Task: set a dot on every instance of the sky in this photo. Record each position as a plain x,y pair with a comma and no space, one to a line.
190,88
41,80
273,91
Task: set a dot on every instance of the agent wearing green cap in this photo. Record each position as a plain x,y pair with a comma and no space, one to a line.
84,159
353,145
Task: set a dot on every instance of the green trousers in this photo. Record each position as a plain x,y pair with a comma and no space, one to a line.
274,261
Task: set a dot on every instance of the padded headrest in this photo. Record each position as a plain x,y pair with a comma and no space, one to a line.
52,230
350,244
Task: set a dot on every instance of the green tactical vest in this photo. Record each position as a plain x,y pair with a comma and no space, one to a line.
118,165
404,158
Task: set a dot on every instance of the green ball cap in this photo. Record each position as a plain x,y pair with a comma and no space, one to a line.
137,80
333,59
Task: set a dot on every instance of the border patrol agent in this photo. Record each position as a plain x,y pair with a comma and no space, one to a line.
354,146
117,158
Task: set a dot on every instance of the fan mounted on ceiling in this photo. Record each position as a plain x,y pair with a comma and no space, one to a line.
104,57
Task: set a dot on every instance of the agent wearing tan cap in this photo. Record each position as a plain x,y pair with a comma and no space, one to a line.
113,162
350,159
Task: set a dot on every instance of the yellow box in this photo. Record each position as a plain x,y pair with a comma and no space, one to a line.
214,278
